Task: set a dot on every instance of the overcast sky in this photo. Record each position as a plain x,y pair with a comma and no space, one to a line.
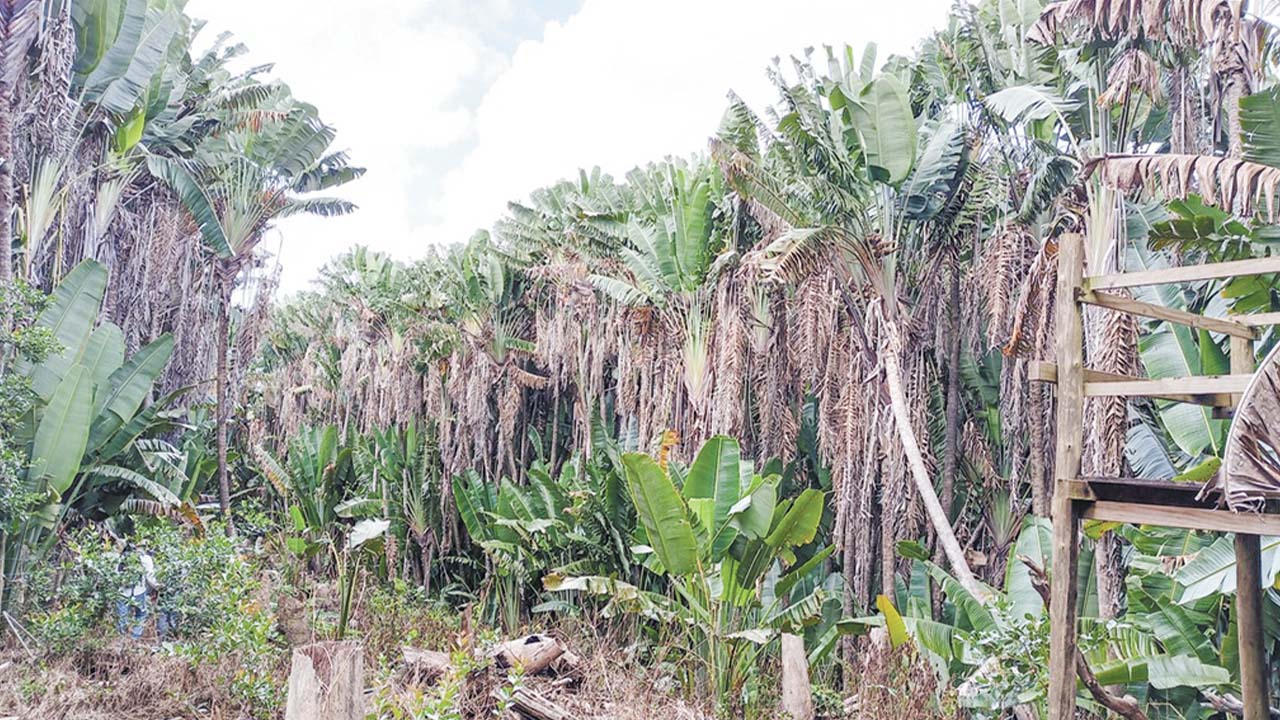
458,106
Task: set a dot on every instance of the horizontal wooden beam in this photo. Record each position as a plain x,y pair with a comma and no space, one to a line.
1180,517
1120,303
1259,319
1169,387
1040,371
1186,273
1165,493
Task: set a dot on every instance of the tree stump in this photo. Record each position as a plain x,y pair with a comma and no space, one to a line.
326,682
797,697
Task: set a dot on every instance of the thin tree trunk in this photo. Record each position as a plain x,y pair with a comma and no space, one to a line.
951,451
797,695
223,339
937,516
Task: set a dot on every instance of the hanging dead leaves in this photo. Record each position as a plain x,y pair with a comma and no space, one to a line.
1186,22
1237,186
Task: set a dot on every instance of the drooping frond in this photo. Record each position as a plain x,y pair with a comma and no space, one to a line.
1187,22
1133,70
321,206
1232,184
19,27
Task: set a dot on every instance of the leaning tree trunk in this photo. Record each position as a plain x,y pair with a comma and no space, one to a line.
224,339
920,473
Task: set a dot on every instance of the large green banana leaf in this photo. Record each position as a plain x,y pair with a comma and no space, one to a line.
62,433
103,354
1162,672
1260,120
662,513
1035,542
1175,351
800,524
888,129
128,388
70,316
715,476
1214,569
125,73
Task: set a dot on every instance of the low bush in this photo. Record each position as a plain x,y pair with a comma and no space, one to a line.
211,597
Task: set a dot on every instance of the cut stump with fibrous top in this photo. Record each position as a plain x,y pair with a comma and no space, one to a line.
326,682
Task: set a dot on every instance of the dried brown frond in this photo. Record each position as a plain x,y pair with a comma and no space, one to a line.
1232,184
1037,289
1190,23
1134,69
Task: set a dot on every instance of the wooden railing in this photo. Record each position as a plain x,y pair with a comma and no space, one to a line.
1143,501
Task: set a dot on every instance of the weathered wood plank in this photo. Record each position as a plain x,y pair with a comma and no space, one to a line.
1143,492
1186,273
1193,385
1120,303
1259,319
1253,654
1040,371
1068,449
1179,517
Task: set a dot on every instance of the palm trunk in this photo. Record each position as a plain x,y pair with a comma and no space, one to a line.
6,191
1231,99
223,339
937,516
951,452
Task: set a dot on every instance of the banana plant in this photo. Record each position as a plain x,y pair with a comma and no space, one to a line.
86,433
730,552
566,521
996,652
313,482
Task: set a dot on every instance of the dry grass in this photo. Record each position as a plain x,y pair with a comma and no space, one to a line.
897,684
118,678
614,682
112,681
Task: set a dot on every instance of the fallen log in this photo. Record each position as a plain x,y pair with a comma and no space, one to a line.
536,707
425,665
533,653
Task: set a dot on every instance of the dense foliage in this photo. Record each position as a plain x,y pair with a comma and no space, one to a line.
776,389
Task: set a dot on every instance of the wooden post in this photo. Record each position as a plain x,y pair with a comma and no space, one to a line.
797,696
1066,541
1253,656
326,682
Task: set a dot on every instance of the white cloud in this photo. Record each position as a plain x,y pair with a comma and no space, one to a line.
389,82
623,83
618,84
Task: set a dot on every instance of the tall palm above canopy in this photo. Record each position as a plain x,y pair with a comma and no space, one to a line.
265,166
